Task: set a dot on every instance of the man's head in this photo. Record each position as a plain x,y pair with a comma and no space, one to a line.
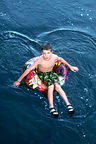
47,46
47,51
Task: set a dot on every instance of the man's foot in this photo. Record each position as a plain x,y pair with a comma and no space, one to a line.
70,109
54,112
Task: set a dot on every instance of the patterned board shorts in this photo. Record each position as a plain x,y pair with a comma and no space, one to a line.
48,78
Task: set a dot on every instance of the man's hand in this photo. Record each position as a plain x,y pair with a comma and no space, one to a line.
74,69
16,83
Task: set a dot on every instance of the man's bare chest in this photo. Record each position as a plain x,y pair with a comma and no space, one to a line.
47,64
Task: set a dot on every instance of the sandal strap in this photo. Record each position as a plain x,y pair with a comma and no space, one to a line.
70,109
52,109
69,106
54,112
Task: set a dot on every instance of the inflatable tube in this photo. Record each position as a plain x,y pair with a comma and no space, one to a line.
33,81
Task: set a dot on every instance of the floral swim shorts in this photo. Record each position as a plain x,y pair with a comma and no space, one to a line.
48,78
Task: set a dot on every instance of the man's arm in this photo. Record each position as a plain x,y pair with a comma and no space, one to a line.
72,68
37,62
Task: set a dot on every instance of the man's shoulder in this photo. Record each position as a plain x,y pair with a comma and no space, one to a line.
38,59
54,55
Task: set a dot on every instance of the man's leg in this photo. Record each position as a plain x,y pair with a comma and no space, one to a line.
50,99
62,93
50,95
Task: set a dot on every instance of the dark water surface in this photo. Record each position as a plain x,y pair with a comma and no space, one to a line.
70,26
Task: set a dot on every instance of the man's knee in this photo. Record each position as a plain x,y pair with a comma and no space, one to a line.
57,87
51,87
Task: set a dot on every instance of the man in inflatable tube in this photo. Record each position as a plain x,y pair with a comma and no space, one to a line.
45,65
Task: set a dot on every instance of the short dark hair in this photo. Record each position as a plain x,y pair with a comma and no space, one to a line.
46,46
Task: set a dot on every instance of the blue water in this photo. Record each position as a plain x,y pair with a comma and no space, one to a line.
70,26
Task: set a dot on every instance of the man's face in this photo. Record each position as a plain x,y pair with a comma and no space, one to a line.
47,54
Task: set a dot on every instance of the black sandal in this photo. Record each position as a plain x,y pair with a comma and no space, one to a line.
54,112
70,109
